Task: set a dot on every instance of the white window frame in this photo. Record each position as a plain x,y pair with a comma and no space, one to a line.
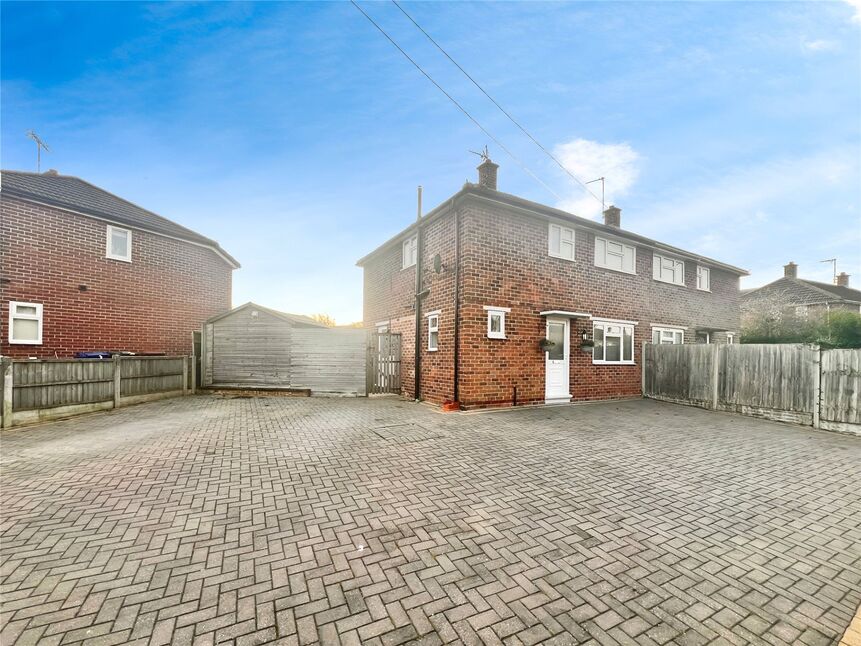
433,329
13,314
409,252
607,323
563,231
704,271
602,261
109,252
500,312
730,338
658,269
668,331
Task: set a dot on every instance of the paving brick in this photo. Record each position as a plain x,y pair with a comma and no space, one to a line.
214,519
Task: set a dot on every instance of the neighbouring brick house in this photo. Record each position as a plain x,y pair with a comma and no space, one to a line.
499,274
82,270
794,298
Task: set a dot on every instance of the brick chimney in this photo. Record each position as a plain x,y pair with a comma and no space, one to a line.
790,270
613,216
842,279
487,174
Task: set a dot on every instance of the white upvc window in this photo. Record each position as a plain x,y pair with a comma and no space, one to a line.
704,278
410,251
668,270
25,323
433,331
119,244
613,342
618,256
560,242
496,321
730,338
668,335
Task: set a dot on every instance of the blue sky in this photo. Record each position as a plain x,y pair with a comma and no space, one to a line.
295,134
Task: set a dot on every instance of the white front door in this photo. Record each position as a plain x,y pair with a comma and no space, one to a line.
556,388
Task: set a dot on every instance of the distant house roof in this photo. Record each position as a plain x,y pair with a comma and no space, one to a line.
299,319
74,194
537,209
797,291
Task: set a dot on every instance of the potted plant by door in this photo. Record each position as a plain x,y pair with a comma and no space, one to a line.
587,345
545,344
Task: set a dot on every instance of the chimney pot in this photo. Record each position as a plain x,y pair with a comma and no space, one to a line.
790,270
613,217
842,279
487,174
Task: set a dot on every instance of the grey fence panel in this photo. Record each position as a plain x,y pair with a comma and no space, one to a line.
679,373
329,360
775,380
49,384
149,375
840,402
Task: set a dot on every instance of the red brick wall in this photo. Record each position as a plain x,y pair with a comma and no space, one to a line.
504,262
149,305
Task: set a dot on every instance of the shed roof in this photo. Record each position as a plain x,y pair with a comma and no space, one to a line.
74,194
298,319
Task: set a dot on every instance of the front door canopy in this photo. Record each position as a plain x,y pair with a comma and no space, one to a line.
564,314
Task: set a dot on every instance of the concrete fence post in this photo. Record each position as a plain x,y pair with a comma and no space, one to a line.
817,384
6,396
715,375
117,359
184,376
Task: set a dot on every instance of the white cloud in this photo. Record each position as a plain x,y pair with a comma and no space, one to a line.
818,45
589,160
855,4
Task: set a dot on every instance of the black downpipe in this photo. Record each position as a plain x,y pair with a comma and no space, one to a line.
456,306
418,343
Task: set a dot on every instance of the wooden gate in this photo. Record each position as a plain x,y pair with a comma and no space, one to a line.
384,363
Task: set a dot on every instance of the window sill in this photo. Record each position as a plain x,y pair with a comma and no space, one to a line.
433,349
619,271
668,282
552,255
128,260
700,289
11,342
502,338
614,363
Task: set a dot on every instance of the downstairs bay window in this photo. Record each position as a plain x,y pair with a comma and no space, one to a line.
613,342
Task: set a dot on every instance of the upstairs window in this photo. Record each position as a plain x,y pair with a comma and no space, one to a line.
613,343
410,251
668,336
433,331
119,244
561,242
704,279
730,338
668,270
496,321
25,323
615,255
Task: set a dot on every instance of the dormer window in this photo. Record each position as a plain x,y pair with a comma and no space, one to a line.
119,244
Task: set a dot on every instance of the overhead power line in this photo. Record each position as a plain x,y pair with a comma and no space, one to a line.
496,103
454,101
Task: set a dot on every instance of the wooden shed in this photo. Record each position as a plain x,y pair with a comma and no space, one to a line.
259,348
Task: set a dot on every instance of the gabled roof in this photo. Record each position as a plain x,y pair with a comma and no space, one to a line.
74,194
797,291
528,207
298,319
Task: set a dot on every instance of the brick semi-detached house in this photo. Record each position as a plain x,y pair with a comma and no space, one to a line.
84,270
501,276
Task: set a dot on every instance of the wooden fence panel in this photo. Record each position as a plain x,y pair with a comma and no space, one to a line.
150,375
328,360
679,373
771,380
840,402
49,384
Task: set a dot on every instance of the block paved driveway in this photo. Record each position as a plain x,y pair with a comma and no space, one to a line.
212,520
